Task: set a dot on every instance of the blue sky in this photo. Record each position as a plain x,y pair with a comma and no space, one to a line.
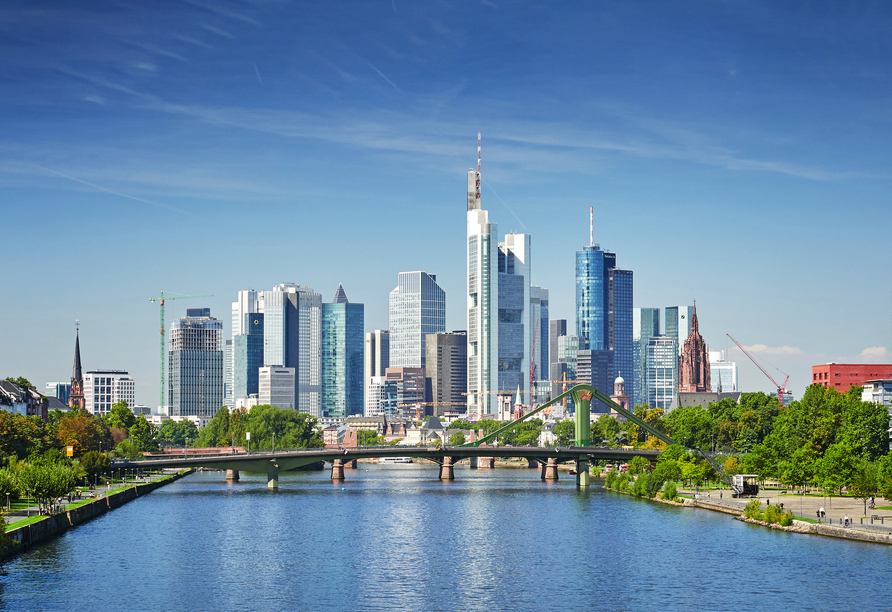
735,153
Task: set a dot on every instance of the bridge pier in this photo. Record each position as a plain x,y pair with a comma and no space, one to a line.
272,479
549,469
532,463
447,469
337,469
472,462
486,463
582,473
232,475
351,465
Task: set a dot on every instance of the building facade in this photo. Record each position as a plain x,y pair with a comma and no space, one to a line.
377,360
247,357
447,370
417,308
404,390
514,313
678,324
195,365
343,324
722,373
105,388
662,372
694,365
61,391
645,325
841,376
275,385
539,341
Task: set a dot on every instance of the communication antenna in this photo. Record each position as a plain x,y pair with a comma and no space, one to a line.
591,225
477,176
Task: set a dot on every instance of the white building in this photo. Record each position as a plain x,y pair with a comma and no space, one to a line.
722,373
375,403
276,387
104,388
662,372
377,360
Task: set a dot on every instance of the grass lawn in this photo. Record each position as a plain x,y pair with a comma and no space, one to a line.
24,521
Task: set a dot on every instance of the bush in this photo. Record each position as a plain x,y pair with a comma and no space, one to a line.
753,510
786,518
772,514
610,480
670,490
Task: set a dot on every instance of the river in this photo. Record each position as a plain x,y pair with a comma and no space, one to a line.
393,537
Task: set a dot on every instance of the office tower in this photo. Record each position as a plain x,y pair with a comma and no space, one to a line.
76,394
678,324
514,313
596,368
343,323
195,365
228,357
604,309
61,391
247,356
556,329
694,366
645,325
539,343
447,370
417,308
377,360
483,301
662,371
404,390
275,387
292,337
105,388
722,373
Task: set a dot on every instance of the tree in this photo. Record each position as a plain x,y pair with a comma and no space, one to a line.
21,381
456,439
639,465
47,482
565,433
837,467
621,438
94,462
762,461
174,433
84,432
142,435
864,482
609,427
120,416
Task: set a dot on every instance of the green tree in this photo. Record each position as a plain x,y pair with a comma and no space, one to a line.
565,433
691,425
93,463
175,433
837,467
639,465
84,432
865,481
456,439
216,432
865,427
47,482
609,427
120,416
800,470
762,461
622,438
21,381
142,435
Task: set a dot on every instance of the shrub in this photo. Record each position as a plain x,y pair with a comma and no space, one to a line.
786,518
772,514
670,490
753,510
610,480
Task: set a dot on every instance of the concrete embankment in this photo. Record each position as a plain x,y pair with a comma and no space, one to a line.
52,526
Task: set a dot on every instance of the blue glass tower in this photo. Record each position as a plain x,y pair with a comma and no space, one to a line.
247,356
343,325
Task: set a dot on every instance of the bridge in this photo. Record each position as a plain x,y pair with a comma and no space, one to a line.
273,463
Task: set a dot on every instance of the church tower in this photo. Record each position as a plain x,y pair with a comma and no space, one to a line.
76,397
694,367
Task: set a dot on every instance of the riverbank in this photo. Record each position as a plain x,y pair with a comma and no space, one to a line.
49,527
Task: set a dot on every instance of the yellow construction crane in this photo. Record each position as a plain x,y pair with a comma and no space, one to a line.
161,299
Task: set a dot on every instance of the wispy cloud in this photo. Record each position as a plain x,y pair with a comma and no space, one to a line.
257,72
383,76
193,41
875,353
774,350
222,11
217,31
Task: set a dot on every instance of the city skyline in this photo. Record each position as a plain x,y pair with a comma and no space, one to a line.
734,155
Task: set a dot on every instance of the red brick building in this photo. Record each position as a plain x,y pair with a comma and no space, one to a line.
841,376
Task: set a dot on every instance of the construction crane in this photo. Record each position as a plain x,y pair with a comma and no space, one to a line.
781,389
161,299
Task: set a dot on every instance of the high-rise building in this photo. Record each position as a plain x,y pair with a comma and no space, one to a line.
514,313
105,388
556,329
447,370
662,372
483,301
404,389
539,342
596,368
292,337
678,324
645,325
604,309
228,357
722,373
343,323
195,365
275,387
417,308
377,360
76,393
247,356
61,391
693,368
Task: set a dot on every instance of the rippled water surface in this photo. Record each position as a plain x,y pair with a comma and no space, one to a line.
395,538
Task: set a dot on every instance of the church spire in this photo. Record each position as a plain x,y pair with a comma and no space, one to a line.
76,372
76,395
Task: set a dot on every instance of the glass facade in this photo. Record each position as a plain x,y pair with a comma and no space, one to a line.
195,367
342,359
483,295
619,329
539,338
645,325
417,308
678,324
247,358
515,328
662,372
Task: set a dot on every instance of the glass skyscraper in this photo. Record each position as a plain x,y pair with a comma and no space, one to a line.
514,313
247,357
539,342
662,372
417,308
645,325
342,357
195,364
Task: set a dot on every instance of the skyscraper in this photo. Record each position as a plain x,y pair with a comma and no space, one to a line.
247,357
417,308
539,344
662,372
483,301
604,309
514,313
377,360
105,388
556,329
342,364
195,364
447,369
722,373
292,337
678,324
645,325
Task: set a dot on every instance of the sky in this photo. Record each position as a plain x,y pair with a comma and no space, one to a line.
735,153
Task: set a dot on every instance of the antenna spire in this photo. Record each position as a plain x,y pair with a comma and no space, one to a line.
591,225
477,194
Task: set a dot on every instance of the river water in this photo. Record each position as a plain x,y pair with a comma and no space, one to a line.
393,537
